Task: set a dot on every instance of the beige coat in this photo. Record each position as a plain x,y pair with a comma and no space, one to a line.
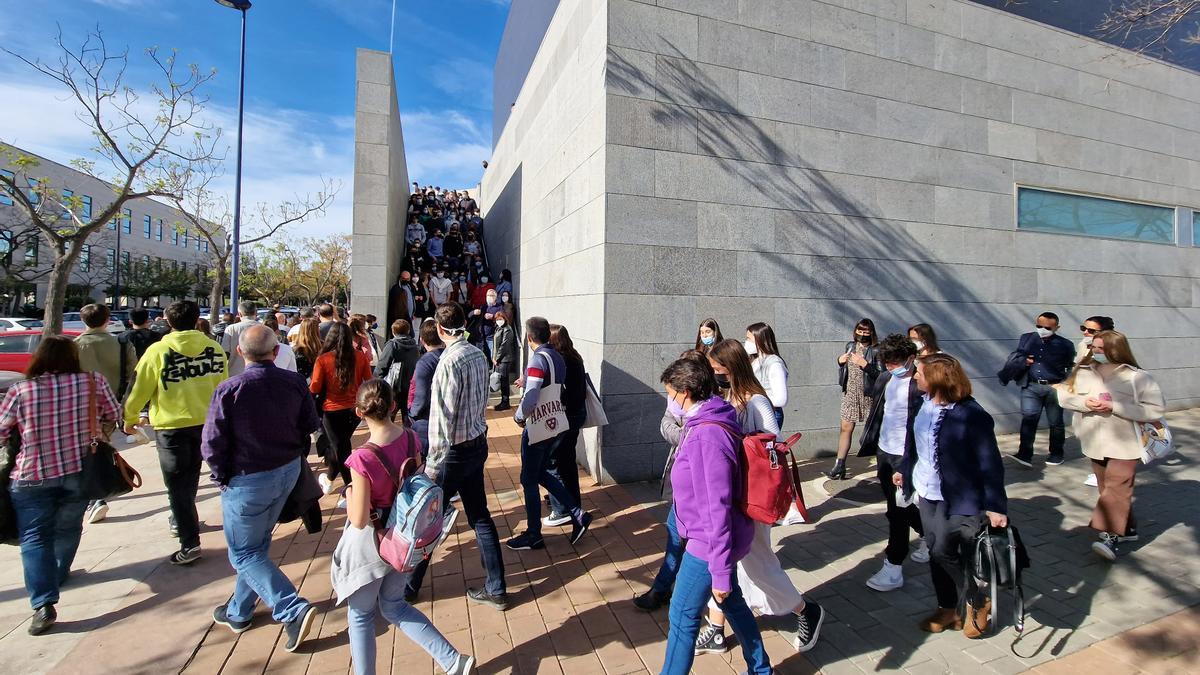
1135,397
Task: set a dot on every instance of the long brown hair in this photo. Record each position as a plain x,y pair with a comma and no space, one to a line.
560,339
717,337
743,385
764,339
345,357
307,340
1116,351
55,355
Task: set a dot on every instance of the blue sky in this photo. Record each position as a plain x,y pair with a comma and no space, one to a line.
299,81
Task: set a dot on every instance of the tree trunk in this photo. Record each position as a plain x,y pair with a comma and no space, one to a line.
216,297
56,294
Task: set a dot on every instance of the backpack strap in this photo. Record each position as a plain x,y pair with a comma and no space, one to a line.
1018,589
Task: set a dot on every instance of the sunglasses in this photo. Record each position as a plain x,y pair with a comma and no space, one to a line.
1089,331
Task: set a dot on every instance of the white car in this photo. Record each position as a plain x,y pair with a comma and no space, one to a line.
7,324
71,321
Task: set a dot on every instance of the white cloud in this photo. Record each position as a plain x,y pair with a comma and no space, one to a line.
444,147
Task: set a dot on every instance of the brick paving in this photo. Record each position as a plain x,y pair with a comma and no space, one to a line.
127,611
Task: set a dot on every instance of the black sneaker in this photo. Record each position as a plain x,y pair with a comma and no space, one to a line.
502,407
651,600
711,640
1023,461
579,529
221,616
185,556
1054,460
298,630
526,542
43,619
482,597
1130,534
1107,546
808,626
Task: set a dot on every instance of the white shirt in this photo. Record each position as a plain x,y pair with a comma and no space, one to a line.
772,375
286,358
927,482
293,331
894,429
229,342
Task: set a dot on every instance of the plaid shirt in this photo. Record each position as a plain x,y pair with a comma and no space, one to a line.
458,397
51,414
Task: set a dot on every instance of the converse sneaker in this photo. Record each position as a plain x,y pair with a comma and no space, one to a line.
556,519
1130,534
1107,546
526,542
98,511
888,578
185,556
808,626
711,640
921,553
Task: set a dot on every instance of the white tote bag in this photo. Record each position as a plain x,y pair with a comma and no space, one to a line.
595,408
548,418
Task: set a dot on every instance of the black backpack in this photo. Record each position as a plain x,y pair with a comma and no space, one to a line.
997,559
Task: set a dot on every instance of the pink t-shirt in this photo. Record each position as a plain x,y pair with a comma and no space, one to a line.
364,461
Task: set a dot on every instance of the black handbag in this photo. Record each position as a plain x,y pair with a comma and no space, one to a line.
997,559
105,474
305,493
9,534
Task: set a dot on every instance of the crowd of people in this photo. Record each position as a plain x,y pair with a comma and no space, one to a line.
423,394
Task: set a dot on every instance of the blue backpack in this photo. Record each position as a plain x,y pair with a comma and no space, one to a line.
414,526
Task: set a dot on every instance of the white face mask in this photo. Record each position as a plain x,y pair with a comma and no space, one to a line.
1044,332
499,322
751,348
919,345
1087,341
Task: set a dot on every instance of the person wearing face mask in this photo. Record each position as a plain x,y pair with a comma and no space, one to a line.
1089,328
439,288
769,366
707,335
504,357
510,310
487,314
924,339
472,244
1110,392
482,289
453,247
887,434
414,232
505,285
858,367
435,246
1048,360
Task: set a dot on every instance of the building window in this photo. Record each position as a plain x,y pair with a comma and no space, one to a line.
198,241
1195,234
5,198
66,200
87,207
85,258
184,239
6,246
158,229
146,226
31,250
174,237
1066,213
183,267
34,197
126,220
206,247
146,262
110,259
125,258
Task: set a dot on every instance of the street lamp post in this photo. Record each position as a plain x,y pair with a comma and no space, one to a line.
117,268
241,6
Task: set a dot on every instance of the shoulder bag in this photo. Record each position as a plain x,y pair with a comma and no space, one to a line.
1155,438
105,474
997,559
9,534
595,407
549,418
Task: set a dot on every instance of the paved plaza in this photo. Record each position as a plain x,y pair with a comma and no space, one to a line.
126,611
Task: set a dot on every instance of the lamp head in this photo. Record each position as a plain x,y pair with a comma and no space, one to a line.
240,5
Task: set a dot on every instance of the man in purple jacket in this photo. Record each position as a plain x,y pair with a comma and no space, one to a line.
705,479
255,451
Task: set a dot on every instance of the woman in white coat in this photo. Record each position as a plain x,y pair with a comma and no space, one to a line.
769,367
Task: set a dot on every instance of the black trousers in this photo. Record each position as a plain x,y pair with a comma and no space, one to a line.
180,461
566,468
505,370
949,538
339,427
899,519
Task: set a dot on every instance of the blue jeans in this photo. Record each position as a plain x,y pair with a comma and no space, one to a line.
1034,398
535,471
779,417
49,522
250,506
388,594
689,602
665,579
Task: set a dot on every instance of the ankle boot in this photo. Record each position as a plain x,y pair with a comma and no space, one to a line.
942,620
975,624
838,472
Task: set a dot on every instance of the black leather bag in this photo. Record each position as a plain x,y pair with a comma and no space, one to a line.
9,534
306,494
105,475
997,559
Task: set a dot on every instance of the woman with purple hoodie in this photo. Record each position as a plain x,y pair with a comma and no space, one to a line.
705,480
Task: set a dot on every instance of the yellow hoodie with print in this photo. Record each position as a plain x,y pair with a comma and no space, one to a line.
177,376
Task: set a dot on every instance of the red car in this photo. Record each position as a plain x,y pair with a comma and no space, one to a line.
16,348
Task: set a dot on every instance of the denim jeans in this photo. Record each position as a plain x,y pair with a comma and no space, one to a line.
1034,398
565,467
462,474
665,579
388,594
49,522
179,459
250,506
535,471
689,602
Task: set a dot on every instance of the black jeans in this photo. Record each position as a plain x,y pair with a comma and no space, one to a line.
462,474
950,539
179,458
565,468
339,427
505,370
899,519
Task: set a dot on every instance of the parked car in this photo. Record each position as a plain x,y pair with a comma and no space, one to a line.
19,323
72,322
17,346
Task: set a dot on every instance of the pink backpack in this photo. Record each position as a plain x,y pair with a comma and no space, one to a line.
414,525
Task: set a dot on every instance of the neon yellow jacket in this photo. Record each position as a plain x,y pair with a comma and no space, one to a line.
177,376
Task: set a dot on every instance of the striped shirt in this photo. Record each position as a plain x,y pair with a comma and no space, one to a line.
51,414
458,399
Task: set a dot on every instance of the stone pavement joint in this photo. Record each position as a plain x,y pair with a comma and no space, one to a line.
125,610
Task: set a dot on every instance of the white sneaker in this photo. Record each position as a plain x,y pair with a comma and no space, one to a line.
888,578
921,553
326,484
98,511
1091,481
793,516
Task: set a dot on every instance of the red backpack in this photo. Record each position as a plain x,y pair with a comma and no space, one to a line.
770,480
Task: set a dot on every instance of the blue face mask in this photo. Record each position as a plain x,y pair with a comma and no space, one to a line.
899,371
708,341
1099,357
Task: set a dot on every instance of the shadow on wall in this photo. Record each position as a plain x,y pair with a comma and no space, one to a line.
502,231
843,251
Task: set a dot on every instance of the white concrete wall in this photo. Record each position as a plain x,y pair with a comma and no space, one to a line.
523,32
380,185
810,163
543,192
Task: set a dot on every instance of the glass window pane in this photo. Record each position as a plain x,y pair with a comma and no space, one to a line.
1195,232
1064,213
5,199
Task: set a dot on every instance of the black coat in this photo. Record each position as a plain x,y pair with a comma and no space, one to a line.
505,344
968,461
870,373
402,350
869,443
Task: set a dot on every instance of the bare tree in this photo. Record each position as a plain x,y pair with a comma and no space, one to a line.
145,148
1150,25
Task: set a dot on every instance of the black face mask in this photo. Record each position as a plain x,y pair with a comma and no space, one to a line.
865,339
722,381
